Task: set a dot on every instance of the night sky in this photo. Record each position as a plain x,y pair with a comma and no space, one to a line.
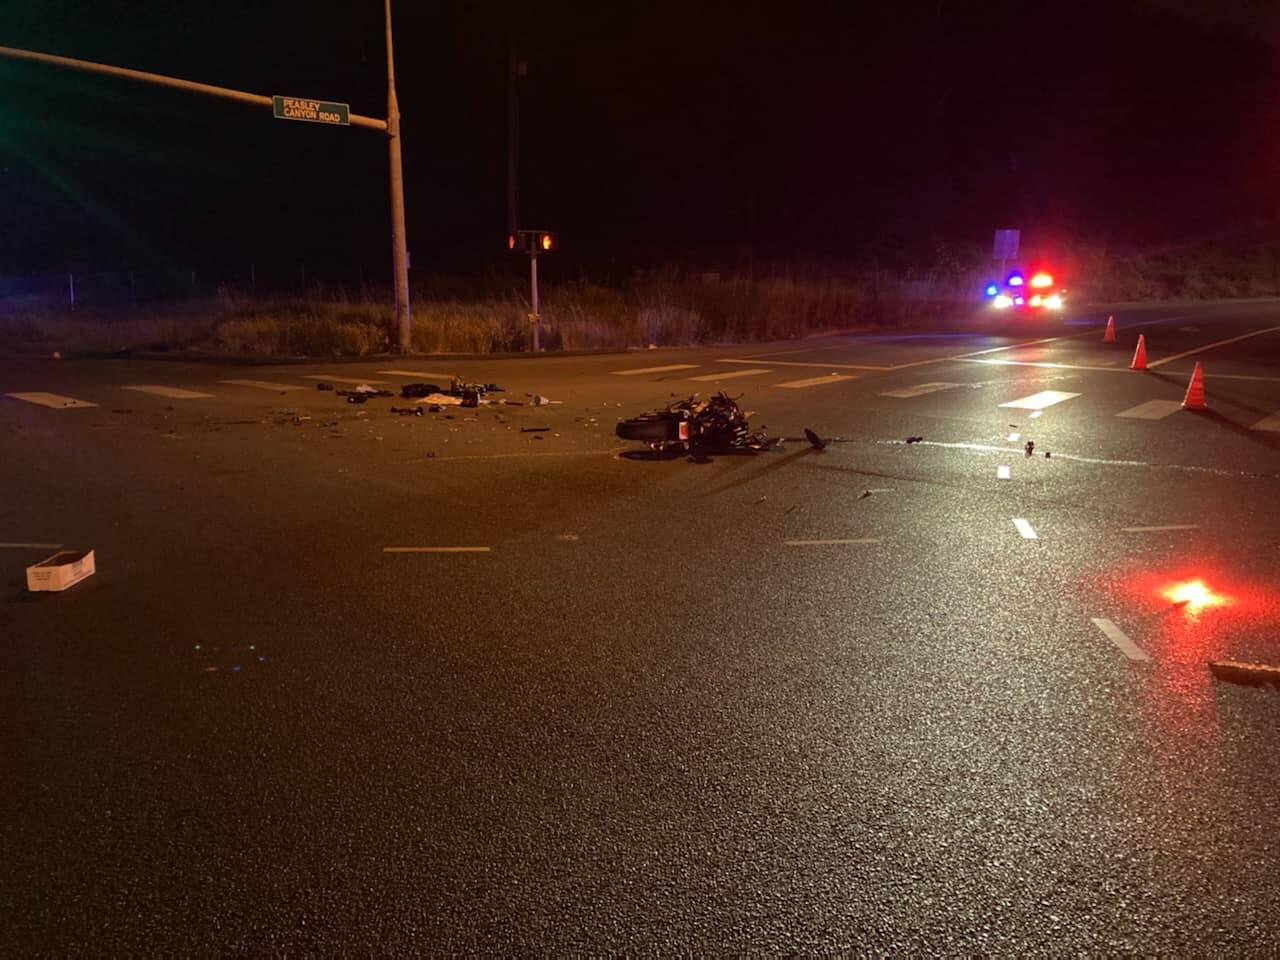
649,131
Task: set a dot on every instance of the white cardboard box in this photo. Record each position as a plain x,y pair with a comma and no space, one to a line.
64,569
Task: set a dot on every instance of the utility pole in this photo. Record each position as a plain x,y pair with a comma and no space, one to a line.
515,69
399,242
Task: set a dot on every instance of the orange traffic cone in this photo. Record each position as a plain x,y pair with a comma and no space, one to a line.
1140,355
1194,400
1110,335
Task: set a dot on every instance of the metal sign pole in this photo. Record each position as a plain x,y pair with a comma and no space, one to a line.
535,318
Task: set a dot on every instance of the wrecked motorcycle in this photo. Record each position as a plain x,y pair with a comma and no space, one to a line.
717,423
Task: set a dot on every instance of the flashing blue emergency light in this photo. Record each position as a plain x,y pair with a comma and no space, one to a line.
991,290
1015,280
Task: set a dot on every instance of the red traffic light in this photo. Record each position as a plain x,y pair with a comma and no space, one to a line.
511,241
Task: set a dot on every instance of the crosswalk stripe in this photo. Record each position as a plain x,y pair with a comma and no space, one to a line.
666,369
173,393
1024,528
1041,400
1151,410
54,400
919,390
730,375
415,373
263,385
815,381
332,379
1271,423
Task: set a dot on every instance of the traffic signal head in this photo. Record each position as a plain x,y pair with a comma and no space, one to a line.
545,241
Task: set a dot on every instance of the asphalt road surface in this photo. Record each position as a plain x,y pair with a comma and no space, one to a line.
876,698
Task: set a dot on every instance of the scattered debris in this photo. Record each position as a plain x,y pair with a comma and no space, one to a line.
434,408
815,441
762,500
407,411
324,385
538,400
356,398
534,429
789,509
1030,448
61,570
539,437
915,439
865,494
1046,455
297,420
567,537
514,403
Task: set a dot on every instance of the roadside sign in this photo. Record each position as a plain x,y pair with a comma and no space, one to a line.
312,111
1006,245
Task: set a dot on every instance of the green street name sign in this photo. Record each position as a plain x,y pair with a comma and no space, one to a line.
313,111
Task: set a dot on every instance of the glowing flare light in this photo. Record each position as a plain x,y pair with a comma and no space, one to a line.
1041,280
1194,595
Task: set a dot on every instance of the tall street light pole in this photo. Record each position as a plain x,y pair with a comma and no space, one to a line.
399,242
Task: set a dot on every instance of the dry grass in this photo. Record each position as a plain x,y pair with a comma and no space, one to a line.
486,315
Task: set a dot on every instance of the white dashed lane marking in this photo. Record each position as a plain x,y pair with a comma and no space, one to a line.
264,385
1152,410
667,369
1025,529
919,390
173,393
1041,400
1271,423
729,375
1120,639
332,379
815,381
1168,526
54,400
1002,472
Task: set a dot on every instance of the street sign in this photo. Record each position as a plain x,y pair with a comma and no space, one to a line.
312,111
1006,245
